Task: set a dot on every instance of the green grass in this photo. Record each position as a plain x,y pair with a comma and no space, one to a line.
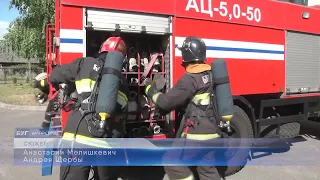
18,94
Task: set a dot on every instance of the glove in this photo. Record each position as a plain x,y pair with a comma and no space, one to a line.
42,97
151,88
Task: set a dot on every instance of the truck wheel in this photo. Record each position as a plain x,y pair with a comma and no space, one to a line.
289,130
242,128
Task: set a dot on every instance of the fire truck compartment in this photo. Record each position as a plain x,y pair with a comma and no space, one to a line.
302,63
142,120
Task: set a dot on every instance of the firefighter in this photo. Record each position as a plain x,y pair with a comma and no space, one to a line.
192,91
41,83
84,72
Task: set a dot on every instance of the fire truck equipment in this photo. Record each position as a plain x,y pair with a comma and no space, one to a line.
156,65
144,107
144,131
145,63
155,114
149,67
132,106
156,129
222,90
134,80
134,133
108,88
144,60
133,66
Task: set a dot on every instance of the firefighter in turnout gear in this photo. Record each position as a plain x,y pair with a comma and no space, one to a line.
192,91
82,128
41,83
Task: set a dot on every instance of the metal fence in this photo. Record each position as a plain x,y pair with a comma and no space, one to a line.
13,75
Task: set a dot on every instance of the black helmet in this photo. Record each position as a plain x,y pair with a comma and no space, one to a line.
193,50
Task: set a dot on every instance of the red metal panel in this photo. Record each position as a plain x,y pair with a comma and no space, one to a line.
68,57
274,14
294,20
57,15
271,13
150,6
71,17
247,76
228,31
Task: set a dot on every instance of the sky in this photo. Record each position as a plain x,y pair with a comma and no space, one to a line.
6,16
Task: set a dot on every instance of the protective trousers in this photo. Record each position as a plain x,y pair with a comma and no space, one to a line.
82,172
49,113
194,138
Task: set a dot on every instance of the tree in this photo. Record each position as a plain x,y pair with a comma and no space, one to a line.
27,32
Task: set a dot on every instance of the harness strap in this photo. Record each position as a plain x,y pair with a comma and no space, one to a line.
222,80
109,70
150,65
189,123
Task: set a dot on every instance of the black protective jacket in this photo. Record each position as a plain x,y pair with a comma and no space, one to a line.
81,75
193,93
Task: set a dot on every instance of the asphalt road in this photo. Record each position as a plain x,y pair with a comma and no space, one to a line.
307,166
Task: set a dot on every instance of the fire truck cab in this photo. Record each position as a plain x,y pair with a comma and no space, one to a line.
271,48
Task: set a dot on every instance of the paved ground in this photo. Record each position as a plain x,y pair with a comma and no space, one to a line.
306,149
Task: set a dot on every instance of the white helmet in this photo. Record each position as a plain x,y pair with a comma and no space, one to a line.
41,76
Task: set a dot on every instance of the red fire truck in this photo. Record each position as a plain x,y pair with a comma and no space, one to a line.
272,51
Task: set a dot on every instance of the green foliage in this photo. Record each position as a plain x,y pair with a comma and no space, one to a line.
26,34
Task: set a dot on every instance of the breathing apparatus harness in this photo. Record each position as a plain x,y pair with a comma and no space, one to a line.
222,128
98,127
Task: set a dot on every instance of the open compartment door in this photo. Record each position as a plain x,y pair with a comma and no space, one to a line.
123,21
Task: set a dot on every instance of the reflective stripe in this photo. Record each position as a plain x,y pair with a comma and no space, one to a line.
87,85
42,83
191,177
201,137
202,99
84,85
155,97
147,88
86,140
122,99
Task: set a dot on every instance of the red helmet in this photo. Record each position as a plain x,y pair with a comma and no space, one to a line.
113,44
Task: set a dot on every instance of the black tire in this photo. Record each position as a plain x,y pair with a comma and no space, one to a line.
289,130
242,125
